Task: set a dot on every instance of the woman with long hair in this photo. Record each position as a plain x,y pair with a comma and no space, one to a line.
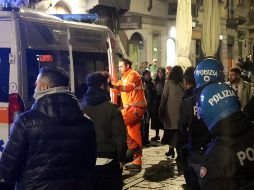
169,107
156,123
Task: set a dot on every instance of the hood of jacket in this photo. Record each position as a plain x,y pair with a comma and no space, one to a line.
95,96
63,106
189,92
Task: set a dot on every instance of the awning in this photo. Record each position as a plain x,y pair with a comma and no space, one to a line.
184,33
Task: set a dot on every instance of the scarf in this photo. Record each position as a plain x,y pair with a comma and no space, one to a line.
40,93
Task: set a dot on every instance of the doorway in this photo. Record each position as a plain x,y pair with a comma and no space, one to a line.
135,49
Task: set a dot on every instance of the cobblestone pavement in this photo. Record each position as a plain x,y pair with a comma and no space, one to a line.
158,172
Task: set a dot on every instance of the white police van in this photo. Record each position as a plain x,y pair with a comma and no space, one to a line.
30,40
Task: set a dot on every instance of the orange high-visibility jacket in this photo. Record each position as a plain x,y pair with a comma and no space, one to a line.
131,88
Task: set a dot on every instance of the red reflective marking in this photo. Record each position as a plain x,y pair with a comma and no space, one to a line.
4,115
45,58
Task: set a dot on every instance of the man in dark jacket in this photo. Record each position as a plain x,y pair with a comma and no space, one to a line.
188,122
229,161
51,146
110,133
209,70
249,108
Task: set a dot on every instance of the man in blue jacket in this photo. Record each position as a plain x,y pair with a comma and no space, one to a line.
51,146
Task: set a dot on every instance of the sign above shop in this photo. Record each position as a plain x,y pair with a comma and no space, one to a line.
129,22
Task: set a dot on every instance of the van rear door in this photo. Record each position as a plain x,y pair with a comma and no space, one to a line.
4,88
89,54
5,50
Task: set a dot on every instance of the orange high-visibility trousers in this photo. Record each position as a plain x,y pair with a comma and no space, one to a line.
132,118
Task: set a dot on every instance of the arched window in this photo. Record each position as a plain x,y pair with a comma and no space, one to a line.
136,37
60,8
135,48
171,52
171,47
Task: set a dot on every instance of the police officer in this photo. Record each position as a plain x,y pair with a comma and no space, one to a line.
249,108
229,161
193,134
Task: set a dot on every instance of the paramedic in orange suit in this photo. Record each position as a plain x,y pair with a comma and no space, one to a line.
134,104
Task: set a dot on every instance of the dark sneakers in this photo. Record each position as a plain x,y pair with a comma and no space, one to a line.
130,154
156,138
132,166
171,152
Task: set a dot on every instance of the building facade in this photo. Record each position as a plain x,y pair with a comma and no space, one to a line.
142,42
144,26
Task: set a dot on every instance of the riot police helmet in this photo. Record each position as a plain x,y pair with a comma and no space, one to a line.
209,70
217,101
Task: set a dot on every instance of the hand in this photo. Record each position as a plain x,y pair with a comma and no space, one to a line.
110,84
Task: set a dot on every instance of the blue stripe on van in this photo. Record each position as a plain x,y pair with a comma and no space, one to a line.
1,145
45,33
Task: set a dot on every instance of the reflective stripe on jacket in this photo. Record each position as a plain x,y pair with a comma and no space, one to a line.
131,88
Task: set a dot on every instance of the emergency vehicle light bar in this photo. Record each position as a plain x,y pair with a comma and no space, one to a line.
7,5
78,17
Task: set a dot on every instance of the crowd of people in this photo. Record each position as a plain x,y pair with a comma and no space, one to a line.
199,129
202,116
63,144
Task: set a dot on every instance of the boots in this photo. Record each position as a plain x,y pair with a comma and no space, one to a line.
156,138
171,152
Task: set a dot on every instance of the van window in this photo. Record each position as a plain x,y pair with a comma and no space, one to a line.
84,63
117,58
4,74
37,59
